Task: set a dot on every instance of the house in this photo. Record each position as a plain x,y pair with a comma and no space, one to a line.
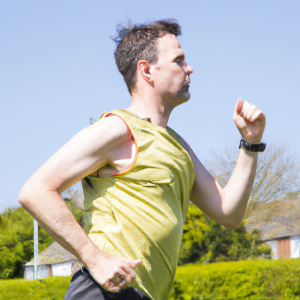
283,237
279,225
285,247
53,261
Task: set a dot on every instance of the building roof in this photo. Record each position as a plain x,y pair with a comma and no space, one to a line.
276,230
54,254
277,220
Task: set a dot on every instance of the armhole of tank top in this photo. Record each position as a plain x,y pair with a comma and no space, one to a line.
134,140
181,139
186,149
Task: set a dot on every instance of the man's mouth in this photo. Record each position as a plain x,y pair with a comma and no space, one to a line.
185,88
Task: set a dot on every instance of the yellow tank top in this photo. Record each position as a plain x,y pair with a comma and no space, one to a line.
139,214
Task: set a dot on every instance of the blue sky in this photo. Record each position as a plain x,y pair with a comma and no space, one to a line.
57,70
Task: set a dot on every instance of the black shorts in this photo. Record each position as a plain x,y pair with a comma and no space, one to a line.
83,287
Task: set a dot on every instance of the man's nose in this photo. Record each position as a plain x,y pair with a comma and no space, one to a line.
189,69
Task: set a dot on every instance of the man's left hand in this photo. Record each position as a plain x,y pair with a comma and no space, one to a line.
250,121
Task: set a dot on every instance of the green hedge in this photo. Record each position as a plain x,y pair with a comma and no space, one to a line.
48,289
251,280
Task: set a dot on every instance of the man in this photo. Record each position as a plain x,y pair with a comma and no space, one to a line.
138,176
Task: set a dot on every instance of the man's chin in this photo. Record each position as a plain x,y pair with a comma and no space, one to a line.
184,96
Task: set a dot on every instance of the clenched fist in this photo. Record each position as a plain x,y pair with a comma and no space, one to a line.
112,272
250,121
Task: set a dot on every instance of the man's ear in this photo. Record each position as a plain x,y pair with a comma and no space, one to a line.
144,69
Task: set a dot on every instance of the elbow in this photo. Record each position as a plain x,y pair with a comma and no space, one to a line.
229,226
232,225
25,195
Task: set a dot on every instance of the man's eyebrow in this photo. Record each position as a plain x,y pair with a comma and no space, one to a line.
179,56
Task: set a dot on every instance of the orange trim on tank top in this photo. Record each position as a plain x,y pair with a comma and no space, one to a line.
134,140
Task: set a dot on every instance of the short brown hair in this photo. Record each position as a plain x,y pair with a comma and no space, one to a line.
137,42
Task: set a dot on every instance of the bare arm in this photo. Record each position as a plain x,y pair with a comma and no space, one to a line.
84,154
227,205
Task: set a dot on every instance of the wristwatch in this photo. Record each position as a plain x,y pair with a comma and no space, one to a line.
253,147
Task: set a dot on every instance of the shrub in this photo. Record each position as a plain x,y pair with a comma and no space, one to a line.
53,288
251,280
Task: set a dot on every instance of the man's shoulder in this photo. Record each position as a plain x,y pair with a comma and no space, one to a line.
178,137
113,127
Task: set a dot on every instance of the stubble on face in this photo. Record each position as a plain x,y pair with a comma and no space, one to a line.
184,93
173,70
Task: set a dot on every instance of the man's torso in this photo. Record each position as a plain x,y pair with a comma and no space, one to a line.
139,213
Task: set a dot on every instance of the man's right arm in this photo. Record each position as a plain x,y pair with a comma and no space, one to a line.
84,154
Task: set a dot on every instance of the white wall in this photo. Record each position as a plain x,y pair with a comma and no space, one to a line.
43,272
63,269
274,248
295,241
29,272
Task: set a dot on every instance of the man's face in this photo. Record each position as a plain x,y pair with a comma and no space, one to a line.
171,72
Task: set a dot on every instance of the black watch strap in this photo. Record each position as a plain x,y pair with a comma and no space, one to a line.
253,147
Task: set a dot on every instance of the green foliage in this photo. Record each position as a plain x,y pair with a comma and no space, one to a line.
16,239
277,180
207,241
251,280
53,288
77,212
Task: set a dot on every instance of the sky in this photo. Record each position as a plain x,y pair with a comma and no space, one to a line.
57,70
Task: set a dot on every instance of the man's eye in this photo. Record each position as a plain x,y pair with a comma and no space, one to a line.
179,60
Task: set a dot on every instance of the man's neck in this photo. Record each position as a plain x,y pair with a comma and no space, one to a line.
145,107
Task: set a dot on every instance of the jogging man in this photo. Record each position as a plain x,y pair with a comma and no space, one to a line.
138,176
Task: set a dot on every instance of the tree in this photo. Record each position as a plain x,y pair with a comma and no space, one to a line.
275,198
207,241
16,241
16,235
73,197
276,183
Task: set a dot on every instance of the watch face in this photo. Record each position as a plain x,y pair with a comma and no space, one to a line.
263,147
253,147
